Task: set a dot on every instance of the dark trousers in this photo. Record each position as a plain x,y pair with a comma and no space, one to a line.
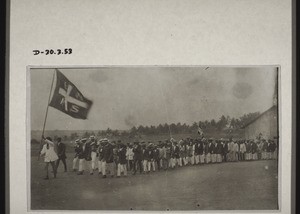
53,168
225,157
130,165
166,163
158,163
64,163
242,155
259,155
137,163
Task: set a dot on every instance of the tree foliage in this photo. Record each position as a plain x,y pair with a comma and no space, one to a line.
223,124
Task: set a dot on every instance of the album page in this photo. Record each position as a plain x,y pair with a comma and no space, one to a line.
150,106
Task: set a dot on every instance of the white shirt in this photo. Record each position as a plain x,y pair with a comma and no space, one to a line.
243,147
235,147
50,154
129,153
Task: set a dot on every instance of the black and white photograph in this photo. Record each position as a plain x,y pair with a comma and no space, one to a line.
153,138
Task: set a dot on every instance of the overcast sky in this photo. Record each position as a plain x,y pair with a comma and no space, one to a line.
124,97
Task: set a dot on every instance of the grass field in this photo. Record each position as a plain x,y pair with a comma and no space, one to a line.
225,186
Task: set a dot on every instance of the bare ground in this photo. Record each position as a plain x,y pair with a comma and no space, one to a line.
225,186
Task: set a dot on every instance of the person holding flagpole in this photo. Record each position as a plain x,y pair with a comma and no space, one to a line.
50,155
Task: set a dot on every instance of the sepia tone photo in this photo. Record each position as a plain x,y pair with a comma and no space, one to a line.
157,138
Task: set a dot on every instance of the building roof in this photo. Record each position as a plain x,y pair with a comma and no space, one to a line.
274,107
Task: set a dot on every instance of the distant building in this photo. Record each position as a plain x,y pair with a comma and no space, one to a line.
266,124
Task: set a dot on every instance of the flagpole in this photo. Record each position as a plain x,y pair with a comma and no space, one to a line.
46,113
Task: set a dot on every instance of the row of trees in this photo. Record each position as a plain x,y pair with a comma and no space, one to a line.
224,124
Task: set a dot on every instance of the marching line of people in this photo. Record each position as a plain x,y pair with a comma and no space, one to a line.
110,158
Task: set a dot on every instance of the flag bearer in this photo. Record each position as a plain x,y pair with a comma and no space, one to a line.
50,155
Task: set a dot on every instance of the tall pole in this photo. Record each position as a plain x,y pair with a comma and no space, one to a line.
46,114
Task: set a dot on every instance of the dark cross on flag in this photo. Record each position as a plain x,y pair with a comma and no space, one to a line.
68,99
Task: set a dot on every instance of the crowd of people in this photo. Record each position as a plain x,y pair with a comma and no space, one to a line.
110,158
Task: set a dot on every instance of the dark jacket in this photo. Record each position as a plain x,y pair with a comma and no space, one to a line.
248,148
206,149
265,146
168,152
254,148
197,148
201,148
272,147
94,147
147,154
176,152
138,155
77,151
211,148
156,154
215,148
61,151
182,151
122,156
219,148
100,153
85,152
225,148
108,154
